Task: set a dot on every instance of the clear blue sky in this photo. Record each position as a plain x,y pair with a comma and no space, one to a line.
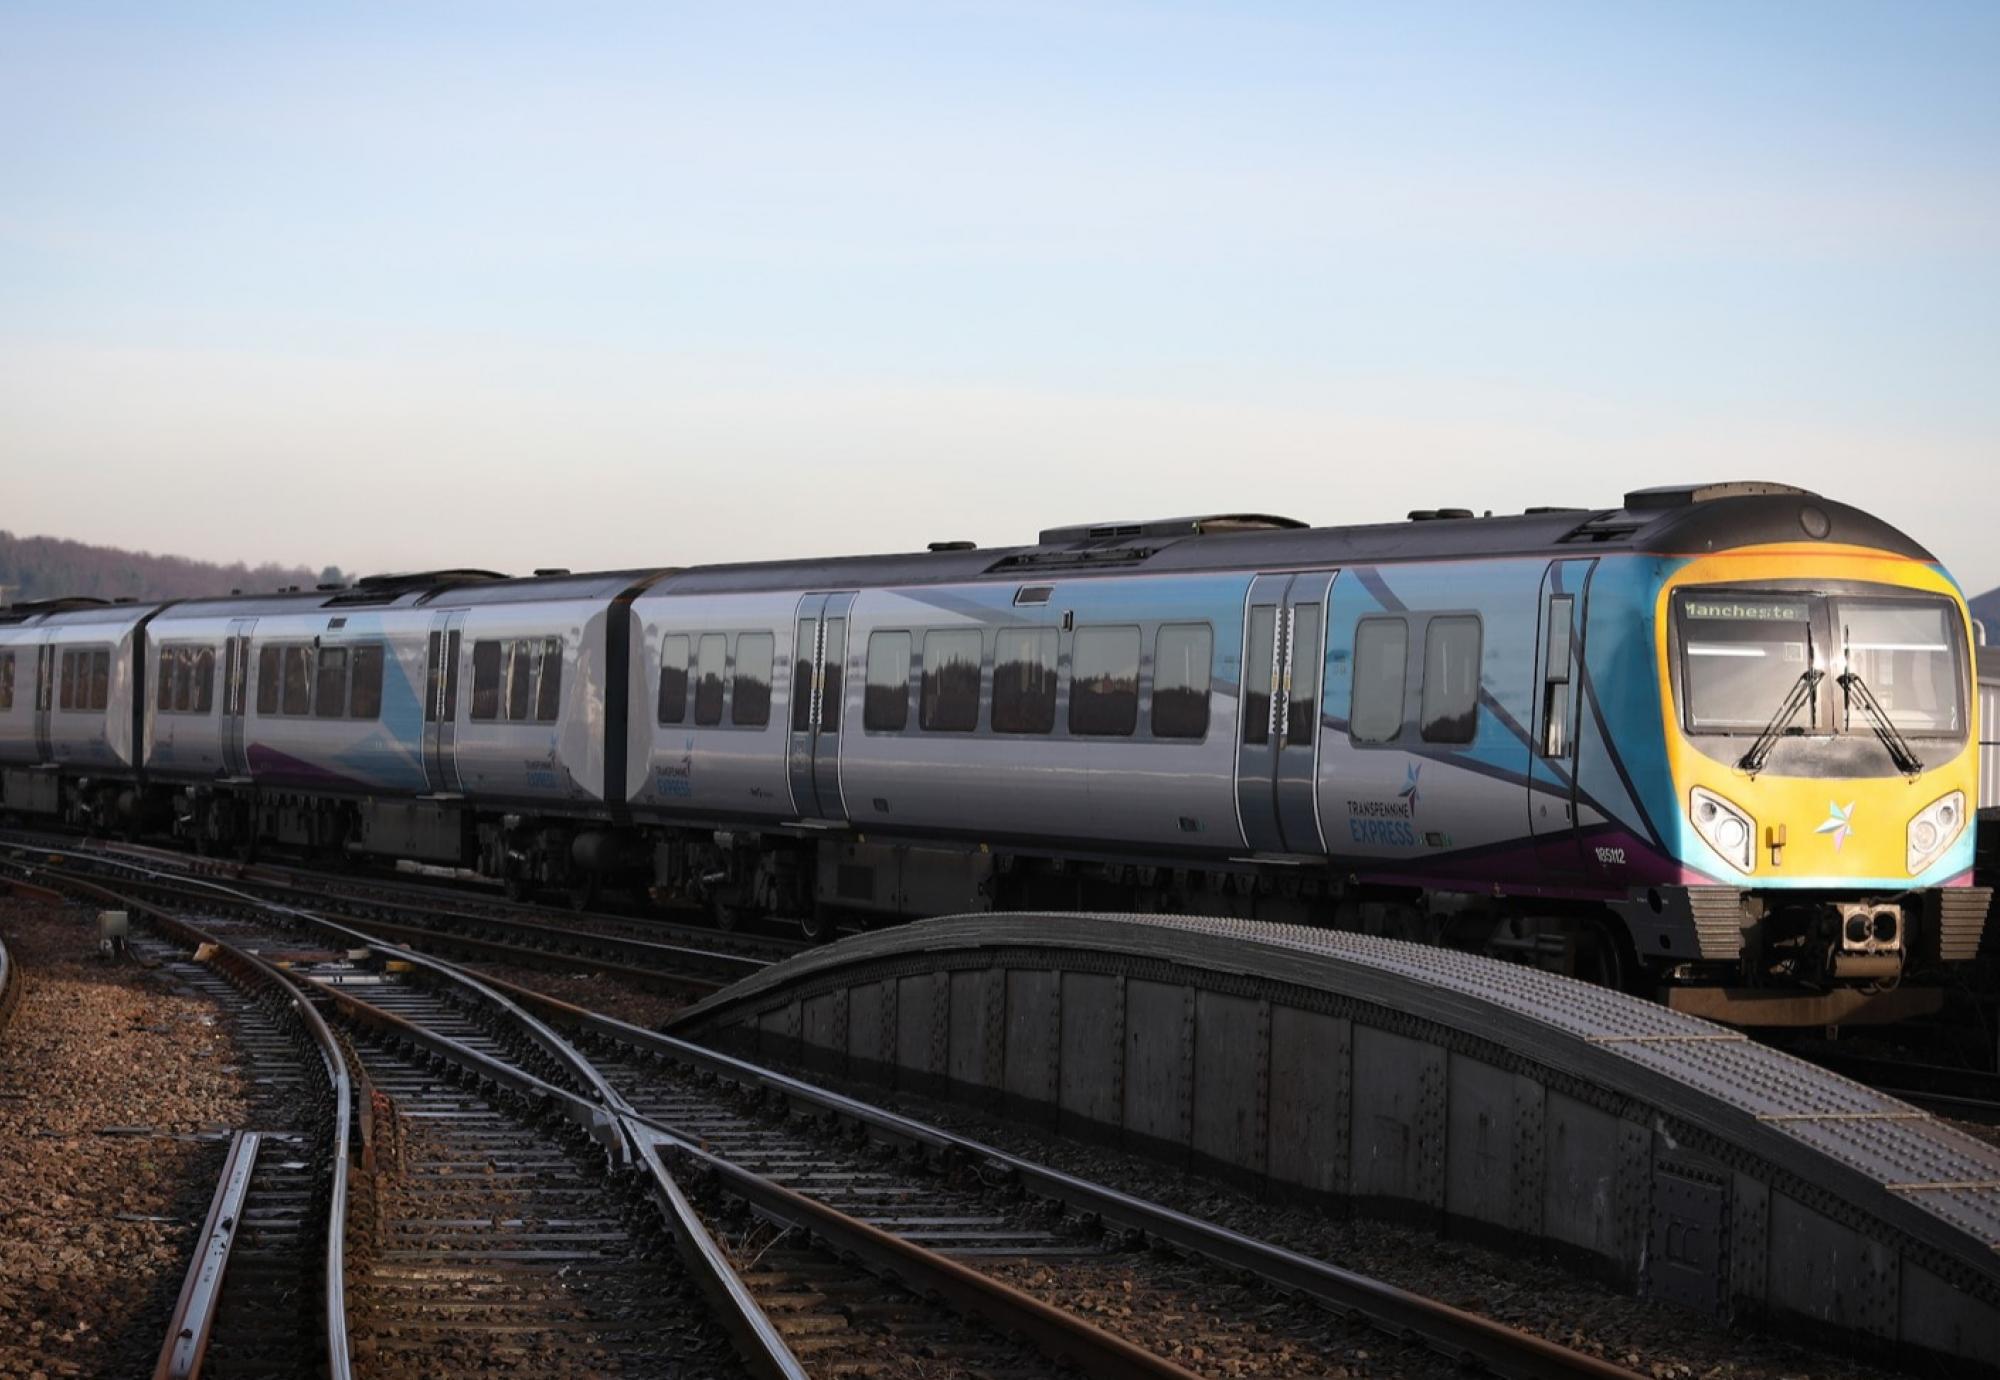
389,286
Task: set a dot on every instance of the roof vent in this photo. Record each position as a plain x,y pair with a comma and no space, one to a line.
953,546
1438,514
386,589
329,587
546,571
1212,525
1682,495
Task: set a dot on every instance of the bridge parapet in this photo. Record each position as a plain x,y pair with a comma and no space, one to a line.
1472,1096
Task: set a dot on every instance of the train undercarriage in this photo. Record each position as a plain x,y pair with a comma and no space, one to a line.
1748,958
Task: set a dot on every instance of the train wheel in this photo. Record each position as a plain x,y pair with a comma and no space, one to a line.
586,891
1597,957
817,925
722,915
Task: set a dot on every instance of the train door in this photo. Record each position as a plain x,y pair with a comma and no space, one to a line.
1277,755
819,661
1558,702
441,704
235,696
45,698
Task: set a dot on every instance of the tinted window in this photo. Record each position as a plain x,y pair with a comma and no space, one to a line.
183,678
298,680
163,690
66,695
1024,680
364,701
436,664
711,660
267,679
1381,651
1451,680
520,678
204,679
1182,657
836,658
750,705
674,650
486,660
1257,652
885,704
1302,697
1104,681
950,701
100,679
6,680
548,681
451,646
802,675
330,689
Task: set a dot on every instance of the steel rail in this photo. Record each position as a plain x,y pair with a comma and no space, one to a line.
10,985
1453,1332
201,1292
252,971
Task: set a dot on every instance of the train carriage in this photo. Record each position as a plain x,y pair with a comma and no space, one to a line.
69,675
1717,742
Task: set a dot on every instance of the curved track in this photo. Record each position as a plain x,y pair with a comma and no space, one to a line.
919,1227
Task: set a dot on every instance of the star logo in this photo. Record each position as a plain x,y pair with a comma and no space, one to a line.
1839,823
1409,791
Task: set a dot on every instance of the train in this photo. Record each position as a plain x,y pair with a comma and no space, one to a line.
1718,743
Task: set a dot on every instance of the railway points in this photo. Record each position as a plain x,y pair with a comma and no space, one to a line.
582,1090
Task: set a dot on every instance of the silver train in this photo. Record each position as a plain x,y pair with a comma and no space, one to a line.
1506,733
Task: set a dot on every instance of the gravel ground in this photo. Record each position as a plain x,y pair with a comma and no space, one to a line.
1666,1343
600,992
107,1081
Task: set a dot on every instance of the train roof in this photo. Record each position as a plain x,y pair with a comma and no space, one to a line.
1682,520
1678,520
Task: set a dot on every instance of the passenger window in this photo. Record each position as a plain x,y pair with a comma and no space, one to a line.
520,679
830,690
1258,648
451,646
204,679
711,660
548,685
6,680
364,700
1302,696
802,675
1555,678
431,679
674,678
750,705
885,703
67,697
1024,680
163,693
486,680
1381,656
1104,681
183,679
1183,657
950,698
298,680
330,689
267,679
1451,680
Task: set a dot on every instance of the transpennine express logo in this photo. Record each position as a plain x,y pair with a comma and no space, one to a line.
1409,791
1839,823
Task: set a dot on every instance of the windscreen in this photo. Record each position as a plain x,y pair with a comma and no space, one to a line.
1743,653
1906,654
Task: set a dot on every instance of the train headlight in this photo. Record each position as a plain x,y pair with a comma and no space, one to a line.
1935,828
1726,829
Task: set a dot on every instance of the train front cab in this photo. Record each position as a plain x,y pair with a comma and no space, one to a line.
1821,725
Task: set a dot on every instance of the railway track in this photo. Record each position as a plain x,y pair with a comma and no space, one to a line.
506,933
817,1238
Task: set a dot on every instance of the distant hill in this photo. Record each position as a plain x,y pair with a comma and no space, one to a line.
50,567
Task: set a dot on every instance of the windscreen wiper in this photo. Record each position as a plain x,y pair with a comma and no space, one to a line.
1801,693
1900,751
